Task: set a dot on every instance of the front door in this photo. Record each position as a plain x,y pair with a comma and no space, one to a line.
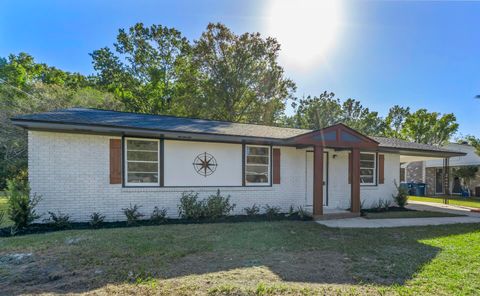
439,181
309,176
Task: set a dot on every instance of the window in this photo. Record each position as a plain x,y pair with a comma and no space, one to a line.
368,168
257,165
141,162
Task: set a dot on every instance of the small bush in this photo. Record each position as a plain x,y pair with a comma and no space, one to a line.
58,220
190,207
303,214
291,211
158,216
387,204
382,205
96,220
271,211
401,199
132,214
21,208
252,211
217,206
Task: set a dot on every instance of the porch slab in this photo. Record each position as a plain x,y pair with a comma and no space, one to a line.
390,223
330,214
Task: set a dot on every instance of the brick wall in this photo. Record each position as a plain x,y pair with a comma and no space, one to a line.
71,174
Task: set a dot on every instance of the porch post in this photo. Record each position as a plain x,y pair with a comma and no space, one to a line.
446,176
355,191
317,180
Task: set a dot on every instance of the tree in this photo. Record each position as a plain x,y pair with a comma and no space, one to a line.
473,141
237,78
395,120
311,112
22,71
429,127
325,110
144,68
361,119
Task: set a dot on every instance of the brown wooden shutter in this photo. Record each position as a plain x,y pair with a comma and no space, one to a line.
276,166
381,169
115,161
349,168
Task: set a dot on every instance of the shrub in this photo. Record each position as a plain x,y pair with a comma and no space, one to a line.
291,211
96,220
401,199
132,214
252,211
190,207
271,211
382,205
218,206
58,220
159,216
387,204
21,208
303,214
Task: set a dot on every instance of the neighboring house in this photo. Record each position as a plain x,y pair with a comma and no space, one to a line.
87,160
432,171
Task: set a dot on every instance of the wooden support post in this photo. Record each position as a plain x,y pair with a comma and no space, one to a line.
318,180
446,179
355,191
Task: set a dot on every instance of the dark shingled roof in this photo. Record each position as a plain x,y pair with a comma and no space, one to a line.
401,144
163,123
160,123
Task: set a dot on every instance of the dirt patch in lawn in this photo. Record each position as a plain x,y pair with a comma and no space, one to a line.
306,266
40,272
45,272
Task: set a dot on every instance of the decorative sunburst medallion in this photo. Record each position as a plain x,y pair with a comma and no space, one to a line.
205,164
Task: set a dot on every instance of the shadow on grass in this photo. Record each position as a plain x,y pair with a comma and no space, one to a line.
242,253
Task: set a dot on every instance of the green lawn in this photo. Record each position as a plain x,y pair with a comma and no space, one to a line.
255,258
454,200
407,214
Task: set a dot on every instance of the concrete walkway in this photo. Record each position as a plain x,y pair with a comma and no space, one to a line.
438,207
406,222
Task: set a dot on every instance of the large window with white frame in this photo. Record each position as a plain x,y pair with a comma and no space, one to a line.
257,165
142,160
368,168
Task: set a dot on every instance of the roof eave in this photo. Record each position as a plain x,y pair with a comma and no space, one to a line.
421,152
127,131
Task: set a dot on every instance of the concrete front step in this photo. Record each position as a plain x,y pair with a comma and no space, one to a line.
337,215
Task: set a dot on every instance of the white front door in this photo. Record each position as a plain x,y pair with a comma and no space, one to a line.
309,177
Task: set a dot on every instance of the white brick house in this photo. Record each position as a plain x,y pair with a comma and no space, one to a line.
86,160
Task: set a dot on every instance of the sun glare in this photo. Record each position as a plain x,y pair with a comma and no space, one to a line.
306,29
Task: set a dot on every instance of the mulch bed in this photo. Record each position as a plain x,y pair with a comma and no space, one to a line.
43,228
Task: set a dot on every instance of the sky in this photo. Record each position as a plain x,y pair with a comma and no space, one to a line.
421,54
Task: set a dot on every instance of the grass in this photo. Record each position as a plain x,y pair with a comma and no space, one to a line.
473,202
252,258
408,214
